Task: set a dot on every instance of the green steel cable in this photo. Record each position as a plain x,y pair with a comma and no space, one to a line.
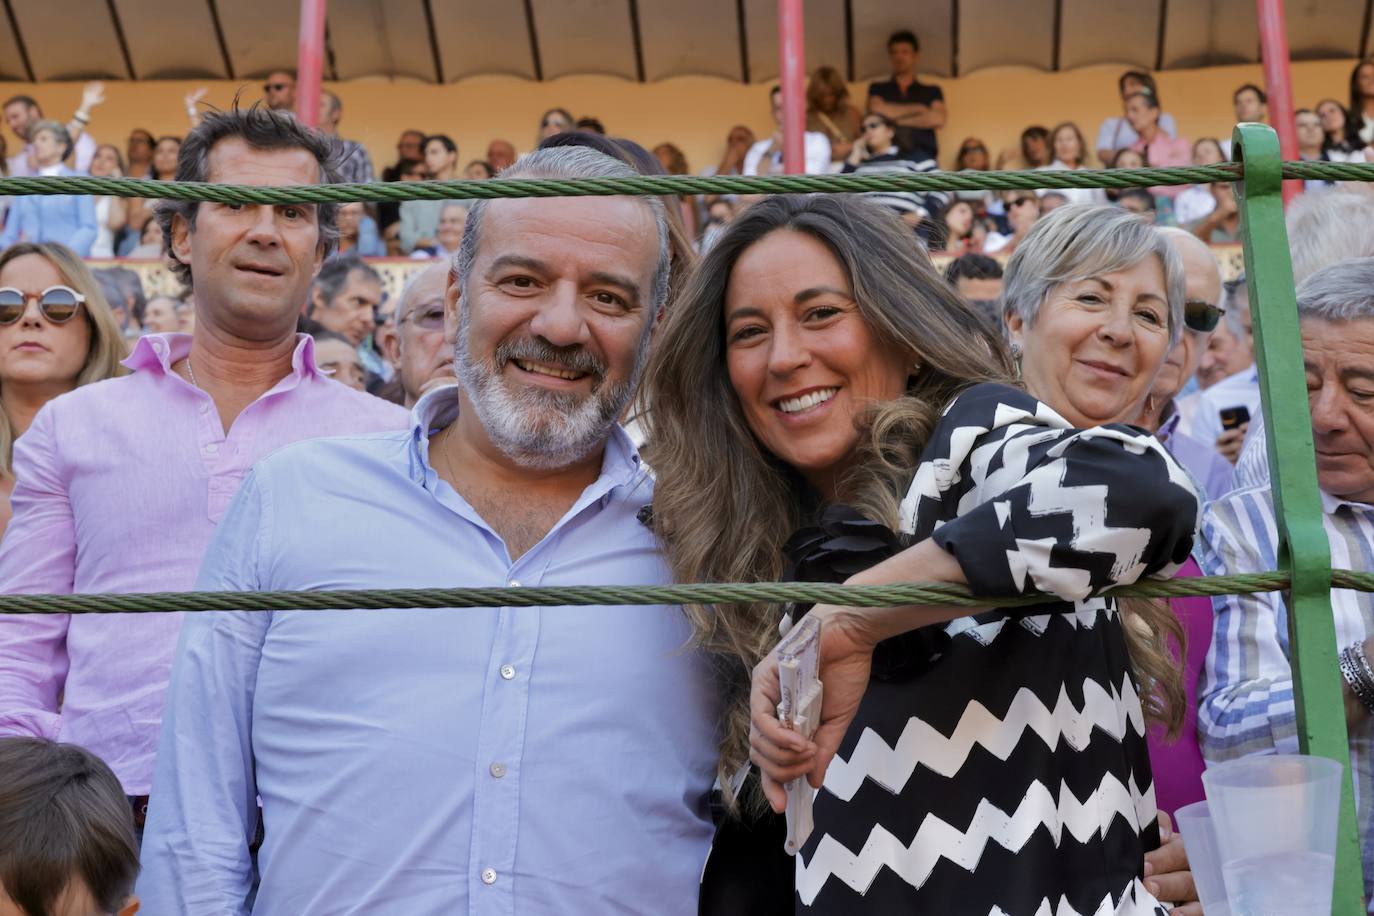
577,595
669,184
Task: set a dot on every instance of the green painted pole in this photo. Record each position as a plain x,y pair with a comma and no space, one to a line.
1305,552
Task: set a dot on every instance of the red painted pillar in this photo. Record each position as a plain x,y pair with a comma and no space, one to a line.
310,61
791,49
1273,31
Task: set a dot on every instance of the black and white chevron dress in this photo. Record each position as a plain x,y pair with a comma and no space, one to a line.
998,764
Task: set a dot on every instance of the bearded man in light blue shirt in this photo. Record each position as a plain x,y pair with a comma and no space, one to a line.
502,760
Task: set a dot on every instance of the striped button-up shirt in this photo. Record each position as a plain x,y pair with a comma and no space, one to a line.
1246,689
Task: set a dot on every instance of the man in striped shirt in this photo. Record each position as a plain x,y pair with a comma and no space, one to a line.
1246,690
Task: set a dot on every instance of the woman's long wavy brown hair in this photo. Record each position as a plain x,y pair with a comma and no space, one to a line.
724,506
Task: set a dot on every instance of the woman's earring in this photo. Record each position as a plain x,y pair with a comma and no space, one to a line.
1015,350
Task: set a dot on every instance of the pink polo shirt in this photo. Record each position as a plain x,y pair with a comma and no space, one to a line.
118,488
1165,151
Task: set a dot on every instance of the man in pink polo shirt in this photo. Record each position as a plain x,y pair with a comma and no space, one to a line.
119,485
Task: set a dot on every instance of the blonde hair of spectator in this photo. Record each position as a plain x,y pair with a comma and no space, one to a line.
1325,227
107,350
826,79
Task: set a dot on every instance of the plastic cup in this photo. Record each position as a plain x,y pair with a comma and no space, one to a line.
1275,823
1204,859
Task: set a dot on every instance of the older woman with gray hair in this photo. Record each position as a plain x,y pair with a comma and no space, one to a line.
1247,685
65,218
818,377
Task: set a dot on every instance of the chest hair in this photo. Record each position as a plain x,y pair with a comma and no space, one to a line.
521,519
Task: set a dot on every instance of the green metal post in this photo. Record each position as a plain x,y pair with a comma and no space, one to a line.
1292,465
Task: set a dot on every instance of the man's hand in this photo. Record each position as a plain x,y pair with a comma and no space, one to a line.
1167,875
782,755
1231,441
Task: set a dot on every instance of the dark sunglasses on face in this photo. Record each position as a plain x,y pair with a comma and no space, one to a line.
274,87
1201,316
58,304
872,125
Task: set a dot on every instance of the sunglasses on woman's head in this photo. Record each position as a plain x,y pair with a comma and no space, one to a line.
1201,316
58,304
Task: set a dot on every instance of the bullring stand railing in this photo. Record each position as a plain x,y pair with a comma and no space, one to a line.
1304,573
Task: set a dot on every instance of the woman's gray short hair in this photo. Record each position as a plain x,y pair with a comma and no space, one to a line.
566,162
1081,241
1341,292
59,132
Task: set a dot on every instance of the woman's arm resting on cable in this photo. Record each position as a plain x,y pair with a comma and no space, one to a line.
848,637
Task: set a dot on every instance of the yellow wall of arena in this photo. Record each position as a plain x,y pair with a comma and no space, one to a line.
694,112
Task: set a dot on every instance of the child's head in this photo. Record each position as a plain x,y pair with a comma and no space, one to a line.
67,844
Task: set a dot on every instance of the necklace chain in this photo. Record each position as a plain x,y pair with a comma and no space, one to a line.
192,373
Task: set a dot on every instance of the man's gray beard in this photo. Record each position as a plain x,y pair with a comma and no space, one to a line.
541,430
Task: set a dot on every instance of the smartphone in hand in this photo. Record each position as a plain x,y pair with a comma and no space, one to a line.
1233,417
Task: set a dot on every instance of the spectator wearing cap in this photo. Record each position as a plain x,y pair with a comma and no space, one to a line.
1117,134
65,218
765,156
917,108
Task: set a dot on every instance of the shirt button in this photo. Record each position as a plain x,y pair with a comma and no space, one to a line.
488,876
212,448
507,671
498,769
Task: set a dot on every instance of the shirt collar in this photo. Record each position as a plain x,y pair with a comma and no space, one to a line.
1331,503
1170,424
157,353
437,408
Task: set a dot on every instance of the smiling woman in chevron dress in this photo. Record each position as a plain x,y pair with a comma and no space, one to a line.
825,408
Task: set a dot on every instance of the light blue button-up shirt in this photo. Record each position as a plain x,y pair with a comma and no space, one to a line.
502,760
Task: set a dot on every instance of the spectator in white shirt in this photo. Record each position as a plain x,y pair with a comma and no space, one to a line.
765,156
